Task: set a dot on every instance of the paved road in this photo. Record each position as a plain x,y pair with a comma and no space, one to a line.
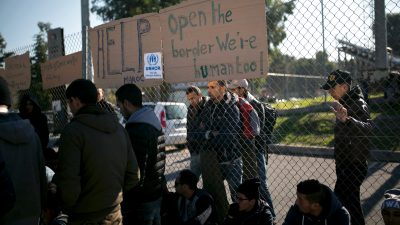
286,171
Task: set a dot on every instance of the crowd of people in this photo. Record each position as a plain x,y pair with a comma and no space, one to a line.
110,174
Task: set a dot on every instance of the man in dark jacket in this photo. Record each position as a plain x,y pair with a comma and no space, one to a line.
316,204
197,102
96,161
25,187
221,157
249,208
29,109
193,206
352,141
142,204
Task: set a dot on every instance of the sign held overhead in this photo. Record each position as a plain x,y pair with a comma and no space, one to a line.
118,48
213,40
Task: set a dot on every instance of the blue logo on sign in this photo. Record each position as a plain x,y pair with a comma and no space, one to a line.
152,59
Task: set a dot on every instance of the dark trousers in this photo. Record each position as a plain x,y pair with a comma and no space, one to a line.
349,179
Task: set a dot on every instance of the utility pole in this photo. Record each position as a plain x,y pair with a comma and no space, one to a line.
381,62
86,56
323,45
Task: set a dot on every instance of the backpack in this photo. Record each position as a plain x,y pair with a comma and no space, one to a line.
250,122
270,116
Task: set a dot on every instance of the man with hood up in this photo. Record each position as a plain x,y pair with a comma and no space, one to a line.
142,204
29,109
316,204
24,163
96,161
352,141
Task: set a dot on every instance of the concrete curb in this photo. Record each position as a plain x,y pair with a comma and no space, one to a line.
327,152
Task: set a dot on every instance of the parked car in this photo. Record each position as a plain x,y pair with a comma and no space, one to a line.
172,116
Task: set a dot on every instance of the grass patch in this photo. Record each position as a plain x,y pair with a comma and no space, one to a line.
311,129
316,129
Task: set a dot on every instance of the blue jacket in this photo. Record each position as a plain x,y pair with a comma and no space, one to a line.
333,213
144,129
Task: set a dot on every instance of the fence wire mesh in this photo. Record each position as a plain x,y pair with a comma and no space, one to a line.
320,36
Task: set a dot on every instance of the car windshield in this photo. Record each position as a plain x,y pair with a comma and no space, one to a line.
175,112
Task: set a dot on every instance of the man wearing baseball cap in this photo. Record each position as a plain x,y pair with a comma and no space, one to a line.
352,139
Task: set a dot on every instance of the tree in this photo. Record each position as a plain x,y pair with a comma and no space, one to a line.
3,45
40,56
276,14
117,9
393,32
3,54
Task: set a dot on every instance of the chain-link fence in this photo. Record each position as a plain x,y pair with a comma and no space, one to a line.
320,36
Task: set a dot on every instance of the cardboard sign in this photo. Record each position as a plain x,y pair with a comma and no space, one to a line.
17,72
214,40
62,70
118,48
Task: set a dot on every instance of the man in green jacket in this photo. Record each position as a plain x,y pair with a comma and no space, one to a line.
96,161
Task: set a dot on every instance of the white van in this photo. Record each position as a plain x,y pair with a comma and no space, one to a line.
172,116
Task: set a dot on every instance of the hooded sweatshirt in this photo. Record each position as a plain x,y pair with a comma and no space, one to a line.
20,147
37,119
333,213
148,143
96,163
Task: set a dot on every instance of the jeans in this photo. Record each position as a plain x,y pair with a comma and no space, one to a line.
195,166
111,218
248,157
262,173
349,179
232,172
213,182
146,213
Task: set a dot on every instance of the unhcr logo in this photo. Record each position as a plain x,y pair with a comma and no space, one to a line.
152,59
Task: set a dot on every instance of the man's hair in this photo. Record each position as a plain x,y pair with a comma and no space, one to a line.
189,178
82,89
221,83
313,190
131,93
193,89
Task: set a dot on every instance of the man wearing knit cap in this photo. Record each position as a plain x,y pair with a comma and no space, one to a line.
391,207
249,208
240,87
24,162
316,204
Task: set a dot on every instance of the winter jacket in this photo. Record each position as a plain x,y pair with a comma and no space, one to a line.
7,192
193,126
96,163
37,119
259,215
199,210
223,118
352,138
333,213
144,129
24,162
